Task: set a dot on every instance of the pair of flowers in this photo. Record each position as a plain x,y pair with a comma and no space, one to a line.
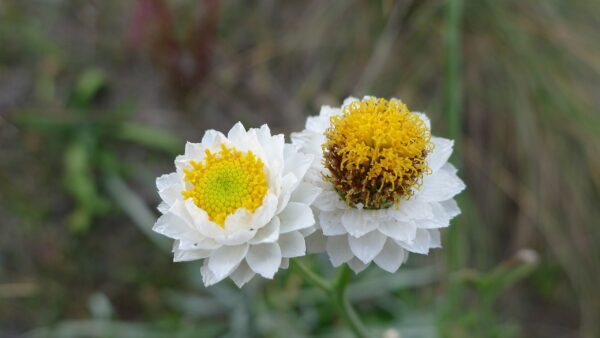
365,183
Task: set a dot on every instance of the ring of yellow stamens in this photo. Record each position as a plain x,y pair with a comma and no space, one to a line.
226,181
375,152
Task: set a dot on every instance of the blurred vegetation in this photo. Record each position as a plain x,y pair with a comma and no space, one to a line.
96,98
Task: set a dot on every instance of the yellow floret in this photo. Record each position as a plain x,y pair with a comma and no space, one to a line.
375,151
226,181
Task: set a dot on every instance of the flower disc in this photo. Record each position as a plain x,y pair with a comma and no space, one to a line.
226,181
376,152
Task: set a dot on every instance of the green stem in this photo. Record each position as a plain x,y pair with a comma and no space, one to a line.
456,244
453,104
337,291
453,57
310,276
341,301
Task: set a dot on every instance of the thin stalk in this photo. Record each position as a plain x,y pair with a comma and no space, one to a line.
341,301
310,276
453,104
337,292
453,64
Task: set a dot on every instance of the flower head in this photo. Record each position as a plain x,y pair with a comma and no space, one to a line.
238,203
386,185
375,152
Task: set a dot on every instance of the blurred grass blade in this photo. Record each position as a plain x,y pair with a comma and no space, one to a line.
44,124
453,104
90,82
135,208
150,137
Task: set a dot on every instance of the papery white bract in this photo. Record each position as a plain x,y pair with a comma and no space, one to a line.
353,234
237,202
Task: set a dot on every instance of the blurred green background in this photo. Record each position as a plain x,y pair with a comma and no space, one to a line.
97,97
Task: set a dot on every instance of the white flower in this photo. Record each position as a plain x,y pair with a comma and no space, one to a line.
239,203
387,187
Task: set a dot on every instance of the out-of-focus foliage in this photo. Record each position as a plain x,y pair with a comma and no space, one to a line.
96,98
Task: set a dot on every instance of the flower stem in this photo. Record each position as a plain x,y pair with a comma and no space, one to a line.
341,301
310,276
453,102
337,292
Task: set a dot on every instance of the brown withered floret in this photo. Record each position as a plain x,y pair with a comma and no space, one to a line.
355,188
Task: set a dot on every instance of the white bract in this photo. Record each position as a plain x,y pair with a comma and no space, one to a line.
237,202
358,236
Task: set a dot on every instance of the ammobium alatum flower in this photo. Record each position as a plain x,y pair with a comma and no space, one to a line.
239,203
386,185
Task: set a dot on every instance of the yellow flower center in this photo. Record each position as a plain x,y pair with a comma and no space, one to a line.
226,181
376,151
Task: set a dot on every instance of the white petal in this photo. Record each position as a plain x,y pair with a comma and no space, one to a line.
267,234
264,259
200,220
338,250
398,230
440,154
248,141
190,255
292,245
349,100
356,265
305,193
167,180
331,223
263,214
237,229
171,194
242,274
440,219
435,238
241,219
451,207
195,244
368,246
194,151
295,162
296,216
316,242
329,200
321,122
391,256
225,259
309,142
163,207
237,134
358,222
411,209
420,244
210,137
208,277
272,145
288,184
440,186
449,167
285,263
175,227
169,187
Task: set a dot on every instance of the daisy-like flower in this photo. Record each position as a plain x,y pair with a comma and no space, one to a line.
239,203
386,184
